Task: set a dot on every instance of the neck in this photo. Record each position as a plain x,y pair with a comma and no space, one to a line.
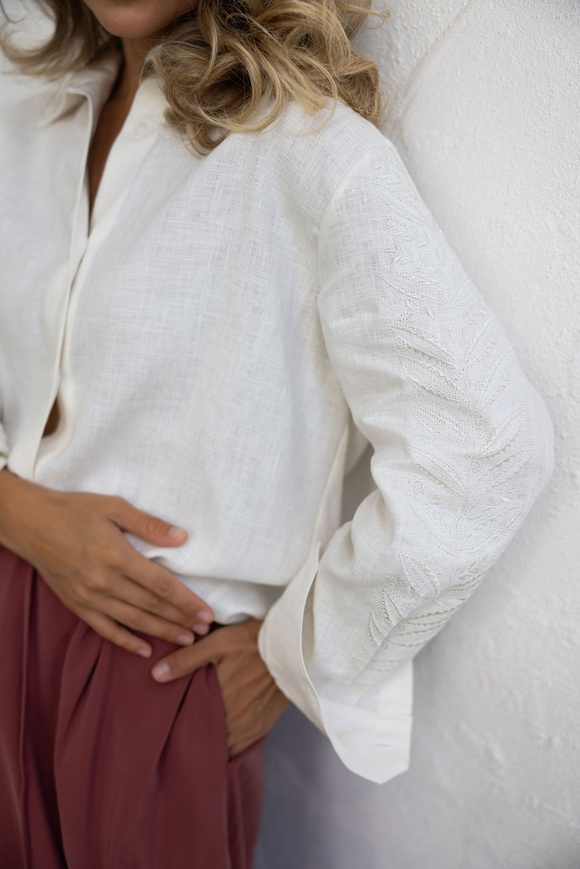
134,54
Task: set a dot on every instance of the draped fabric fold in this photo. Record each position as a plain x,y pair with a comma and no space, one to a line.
99,764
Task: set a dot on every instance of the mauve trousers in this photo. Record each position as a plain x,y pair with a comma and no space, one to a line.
101,767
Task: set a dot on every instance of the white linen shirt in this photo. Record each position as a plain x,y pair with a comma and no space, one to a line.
224,338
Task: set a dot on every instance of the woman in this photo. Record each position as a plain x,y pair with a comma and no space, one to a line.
207,314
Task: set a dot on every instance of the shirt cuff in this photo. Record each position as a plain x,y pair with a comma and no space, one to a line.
371,738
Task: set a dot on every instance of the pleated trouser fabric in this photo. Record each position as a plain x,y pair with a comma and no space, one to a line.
100,766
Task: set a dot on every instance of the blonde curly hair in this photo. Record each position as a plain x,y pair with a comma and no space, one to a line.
221,62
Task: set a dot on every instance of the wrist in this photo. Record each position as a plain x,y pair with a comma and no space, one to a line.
20,502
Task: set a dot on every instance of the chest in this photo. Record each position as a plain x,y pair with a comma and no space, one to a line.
108,127
203,272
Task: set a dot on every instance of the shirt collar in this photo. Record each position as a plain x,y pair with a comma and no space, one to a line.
95,81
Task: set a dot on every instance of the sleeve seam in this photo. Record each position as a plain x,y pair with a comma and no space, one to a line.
343,181
340,187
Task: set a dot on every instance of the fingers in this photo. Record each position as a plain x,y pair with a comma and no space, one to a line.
133,593
165,587
185,661
251,698
252,727
146,623
145,572
115,633
233,640
144,525
91,566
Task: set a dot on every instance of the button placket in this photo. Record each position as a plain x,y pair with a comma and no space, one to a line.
77,249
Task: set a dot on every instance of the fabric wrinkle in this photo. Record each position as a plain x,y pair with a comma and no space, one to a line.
119,770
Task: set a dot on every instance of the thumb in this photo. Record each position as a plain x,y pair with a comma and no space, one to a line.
209,650
145,525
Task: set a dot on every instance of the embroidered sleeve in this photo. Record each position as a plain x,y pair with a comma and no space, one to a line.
462,442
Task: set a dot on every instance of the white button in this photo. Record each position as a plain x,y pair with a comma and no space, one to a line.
141,129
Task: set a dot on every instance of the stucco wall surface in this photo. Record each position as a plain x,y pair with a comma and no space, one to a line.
485,111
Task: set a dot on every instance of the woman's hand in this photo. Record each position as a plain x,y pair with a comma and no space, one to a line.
75,541
252,699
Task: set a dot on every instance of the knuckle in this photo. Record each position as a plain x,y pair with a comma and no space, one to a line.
163,586
97,627
138,623
154,526
117,635
116,506
113,558
156,606
96,581
121,639
82,596
93,551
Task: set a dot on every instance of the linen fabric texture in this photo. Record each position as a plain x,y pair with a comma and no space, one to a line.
225,337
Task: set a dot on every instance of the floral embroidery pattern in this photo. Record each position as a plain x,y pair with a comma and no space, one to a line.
469,442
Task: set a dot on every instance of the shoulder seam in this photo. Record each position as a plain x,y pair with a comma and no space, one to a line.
378,146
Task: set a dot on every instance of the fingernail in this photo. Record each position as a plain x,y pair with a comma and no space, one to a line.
160,672
201,629
185,639
175,533
145,653
204,616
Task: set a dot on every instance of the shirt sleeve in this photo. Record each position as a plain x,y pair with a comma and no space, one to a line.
462,446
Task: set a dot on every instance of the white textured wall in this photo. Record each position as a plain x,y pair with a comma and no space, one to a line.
486,114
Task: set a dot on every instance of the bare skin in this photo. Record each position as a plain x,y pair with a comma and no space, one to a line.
76,540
